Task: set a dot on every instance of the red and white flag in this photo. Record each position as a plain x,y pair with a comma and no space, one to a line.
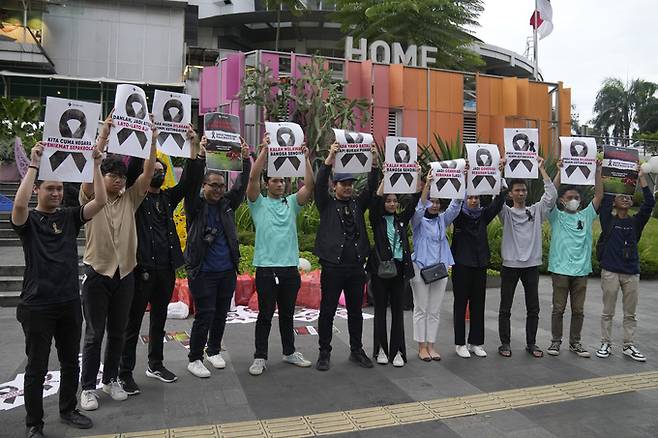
542,18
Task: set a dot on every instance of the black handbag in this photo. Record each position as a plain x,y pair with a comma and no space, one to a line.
387,269
433,273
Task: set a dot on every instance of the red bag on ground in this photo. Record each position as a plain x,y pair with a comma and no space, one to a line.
244,289
183,293
253,302
309,293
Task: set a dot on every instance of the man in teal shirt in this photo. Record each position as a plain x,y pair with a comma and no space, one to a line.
276,257
570,260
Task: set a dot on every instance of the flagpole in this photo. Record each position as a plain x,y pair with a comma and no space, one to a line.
535,42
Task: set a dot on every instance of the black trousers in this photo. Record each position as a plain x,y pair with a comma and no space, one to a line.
469,287
156,290
212,293
509,279
333,281
276,287
106,305
385,291
40,325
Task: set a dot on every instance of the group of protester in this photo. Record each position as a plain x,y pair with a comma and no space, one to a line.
132,252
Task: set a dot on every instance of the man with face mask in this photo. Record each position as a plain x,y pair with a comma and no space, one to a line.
158,256
570,260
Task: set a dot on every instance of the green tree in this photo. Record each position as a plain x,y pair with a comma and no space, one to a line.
19,117
438,23
296,7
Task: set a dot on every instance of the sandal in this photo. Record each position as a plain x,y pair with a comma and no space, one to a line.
424,358
534,351
505,351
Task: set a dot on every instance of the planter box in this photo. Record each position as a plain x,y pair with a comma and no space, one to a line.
9,172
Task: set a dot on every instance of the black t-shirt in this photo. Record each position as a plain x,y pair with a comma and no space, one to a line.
152,231
51,256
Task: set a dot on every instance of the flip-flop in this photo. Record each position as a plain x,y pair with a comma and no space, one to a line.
505,351
425,359
436,358
534,351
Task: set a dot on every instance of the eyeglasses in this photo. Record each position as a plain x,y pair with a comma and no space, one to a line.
216,186
624,197
115,177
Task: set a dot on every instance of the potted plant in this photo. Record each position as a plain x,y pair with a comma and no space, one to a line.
18,118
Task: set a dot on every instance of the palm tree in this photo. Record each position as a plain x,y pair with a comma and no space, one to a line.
296,7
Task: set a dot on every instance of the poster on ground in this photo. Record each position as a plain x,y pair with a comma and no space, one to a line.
619,170
521,146
69,134
355,154
224,145
172,114
285,157
578,161
131,133
400,171
483,173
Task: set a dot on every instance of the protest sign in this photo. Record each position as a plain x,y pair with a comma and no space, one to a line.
224,146
285,156
172,114
448,179
355,154
578,161
521,153
619,171
400,171
69,134
483,172
132,125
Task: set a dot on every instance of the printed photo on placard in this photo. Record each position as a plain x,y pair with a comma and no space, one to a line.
355,154
285,157
223,134
578,160
400,172
131,133
172,113
521,147
619,170
69,139
449,181
483,174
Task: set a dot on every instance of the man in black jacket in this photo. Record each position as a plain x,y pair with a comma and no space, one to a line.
212,258
158,256
342,246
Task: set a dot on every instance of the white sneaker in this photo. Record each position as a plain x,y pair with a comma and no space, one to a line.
89,400
115,390
198,369
297,359
397,360
257,368
477,350
382,359
217,361
634,353
605,351
462,351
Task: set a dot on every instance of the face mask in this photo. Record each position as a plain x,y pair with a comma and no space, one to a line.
157,181
572,205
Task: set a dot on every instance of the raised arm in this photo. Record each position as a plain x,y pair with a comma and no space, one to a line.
548,199
322,182
90,209
644,213
236,194
101,144
20,211
452,211
305,194
558,176
373,179
423,202
144,180
191,166
598,187
253,186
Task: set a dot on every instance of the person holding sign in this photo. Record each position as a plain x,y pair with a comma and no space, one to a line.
470,249
570,259
342,246
212,257
110,258
276,256
158,256
431,260
617,252
522,252
50,300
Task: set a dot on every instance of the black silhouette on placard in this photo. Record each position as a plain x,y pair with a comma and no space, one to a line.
290,141
166,115
402,154
527,146
124,133
8,389
441,182
57,158
573,150
352,138
483,158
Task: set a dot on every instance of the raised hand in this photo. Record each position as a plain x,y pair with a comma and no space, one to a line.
36,154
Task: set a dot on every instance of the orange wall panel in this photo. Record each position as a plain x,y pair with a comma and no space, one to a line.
496,103
484,132
410,88
497,125
483,90
510,97
523,97
421,86
396,86
422,128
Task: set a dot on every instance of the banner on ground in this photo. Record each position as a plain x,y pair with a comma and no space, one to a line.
224,145
400,171
69,134
131,132
448,179
172,113
521,153
578,161
285,157
355,154
619,170
483,172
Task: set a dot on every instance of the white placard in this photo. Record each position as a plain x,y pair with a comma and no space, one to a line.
578,161
131,132
448,179
521,153
285,157
483,172
355,154
172,113
400,171
69,134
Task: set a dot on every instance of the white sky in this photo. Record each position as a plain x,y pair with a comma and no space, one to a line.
591,40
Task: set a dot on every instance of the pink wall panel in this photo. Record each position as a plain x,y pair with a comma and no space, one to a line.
234,72
380,124
209,94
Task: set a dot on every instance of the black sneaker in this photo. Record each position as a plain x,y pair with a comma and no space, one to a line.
34,432
361,358
76,419
162,374
128,384
323,362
